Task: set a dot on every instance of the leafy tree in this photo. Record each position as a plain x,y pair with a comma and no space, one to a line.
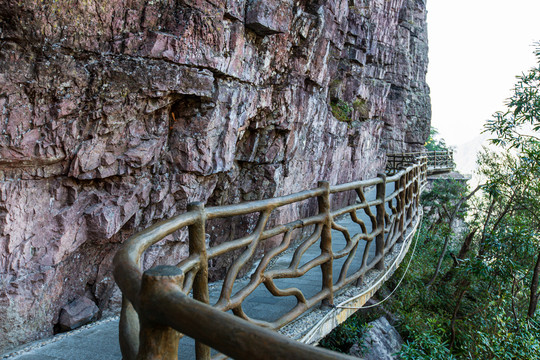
485,304
435,142
483,293
518,126
446,202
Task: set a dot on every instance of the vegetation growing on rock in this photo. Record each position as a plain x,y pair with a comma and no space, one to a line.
348,112
342,110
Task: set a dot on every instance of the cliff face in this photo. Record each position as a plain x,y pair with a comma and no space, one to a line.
117,114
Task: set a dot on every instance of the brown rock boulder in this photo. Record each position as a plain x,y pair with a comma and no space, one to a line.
77,313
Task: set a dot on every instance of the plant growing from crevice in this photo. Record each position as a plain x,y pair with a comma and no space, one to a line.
361,107
344,111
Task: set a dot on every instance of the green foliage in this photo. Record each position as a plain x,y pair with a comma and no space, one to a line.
361,107
428,345
434,143
517,127
480,303
423,311
443,197
483,304
343,337
477,307
511,342
342,110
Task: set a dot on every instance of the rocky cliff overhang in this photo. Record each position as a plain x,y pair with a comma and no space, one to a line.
115,114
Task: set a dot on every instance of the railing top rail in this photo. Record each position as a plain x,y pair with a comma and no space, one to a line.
421,153
127,269
223,331
129,274
438,161
139,242
260,205
127,260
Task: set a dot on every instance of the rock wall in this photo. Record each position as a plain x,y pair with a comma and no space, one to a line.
380,342
117,114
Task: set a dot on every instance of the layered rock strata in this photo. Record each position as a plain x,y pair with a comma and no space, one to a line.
117,114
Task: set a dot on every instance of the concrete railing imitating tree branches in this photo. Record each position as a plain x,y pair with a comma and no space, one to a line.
162,302
437,161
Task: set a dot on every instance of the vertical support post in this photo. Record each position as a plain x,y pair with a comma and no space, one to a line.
425,170
406,202
416,191
425,167
128,330
157,341
381,210
197,245
326,242
409,196
419,186
401,208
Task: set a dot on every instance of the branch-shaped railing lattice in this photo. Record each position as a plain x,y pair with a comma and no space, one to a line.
437,161
154,302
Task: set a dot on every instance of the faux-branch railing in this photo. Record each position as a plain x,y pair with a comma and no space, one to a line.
437,161
157,305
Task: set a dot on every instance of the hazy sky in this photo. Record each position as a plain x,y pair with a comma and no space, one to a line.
477,47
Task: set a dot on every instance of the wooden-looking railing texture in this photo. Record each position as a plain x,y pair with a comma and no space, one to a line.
437,161
161,303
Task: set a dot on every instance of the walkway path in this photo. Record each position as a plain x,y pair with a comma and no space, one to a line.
99,341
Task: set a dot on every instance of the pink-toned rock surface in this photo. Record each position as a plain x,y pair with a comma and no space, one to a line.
117,114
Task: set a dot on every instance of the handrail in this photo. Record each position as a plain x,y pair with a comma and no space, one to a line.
438,161
227,333
156,302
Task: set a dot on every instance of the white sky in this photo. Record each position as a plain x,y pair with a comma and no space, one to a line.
477,47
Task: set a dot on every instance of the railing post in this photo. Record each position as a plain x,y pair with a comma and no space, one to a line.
409,200
157,341
128,330
381,209
326,242
425,167
401,207
416,190
197,245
